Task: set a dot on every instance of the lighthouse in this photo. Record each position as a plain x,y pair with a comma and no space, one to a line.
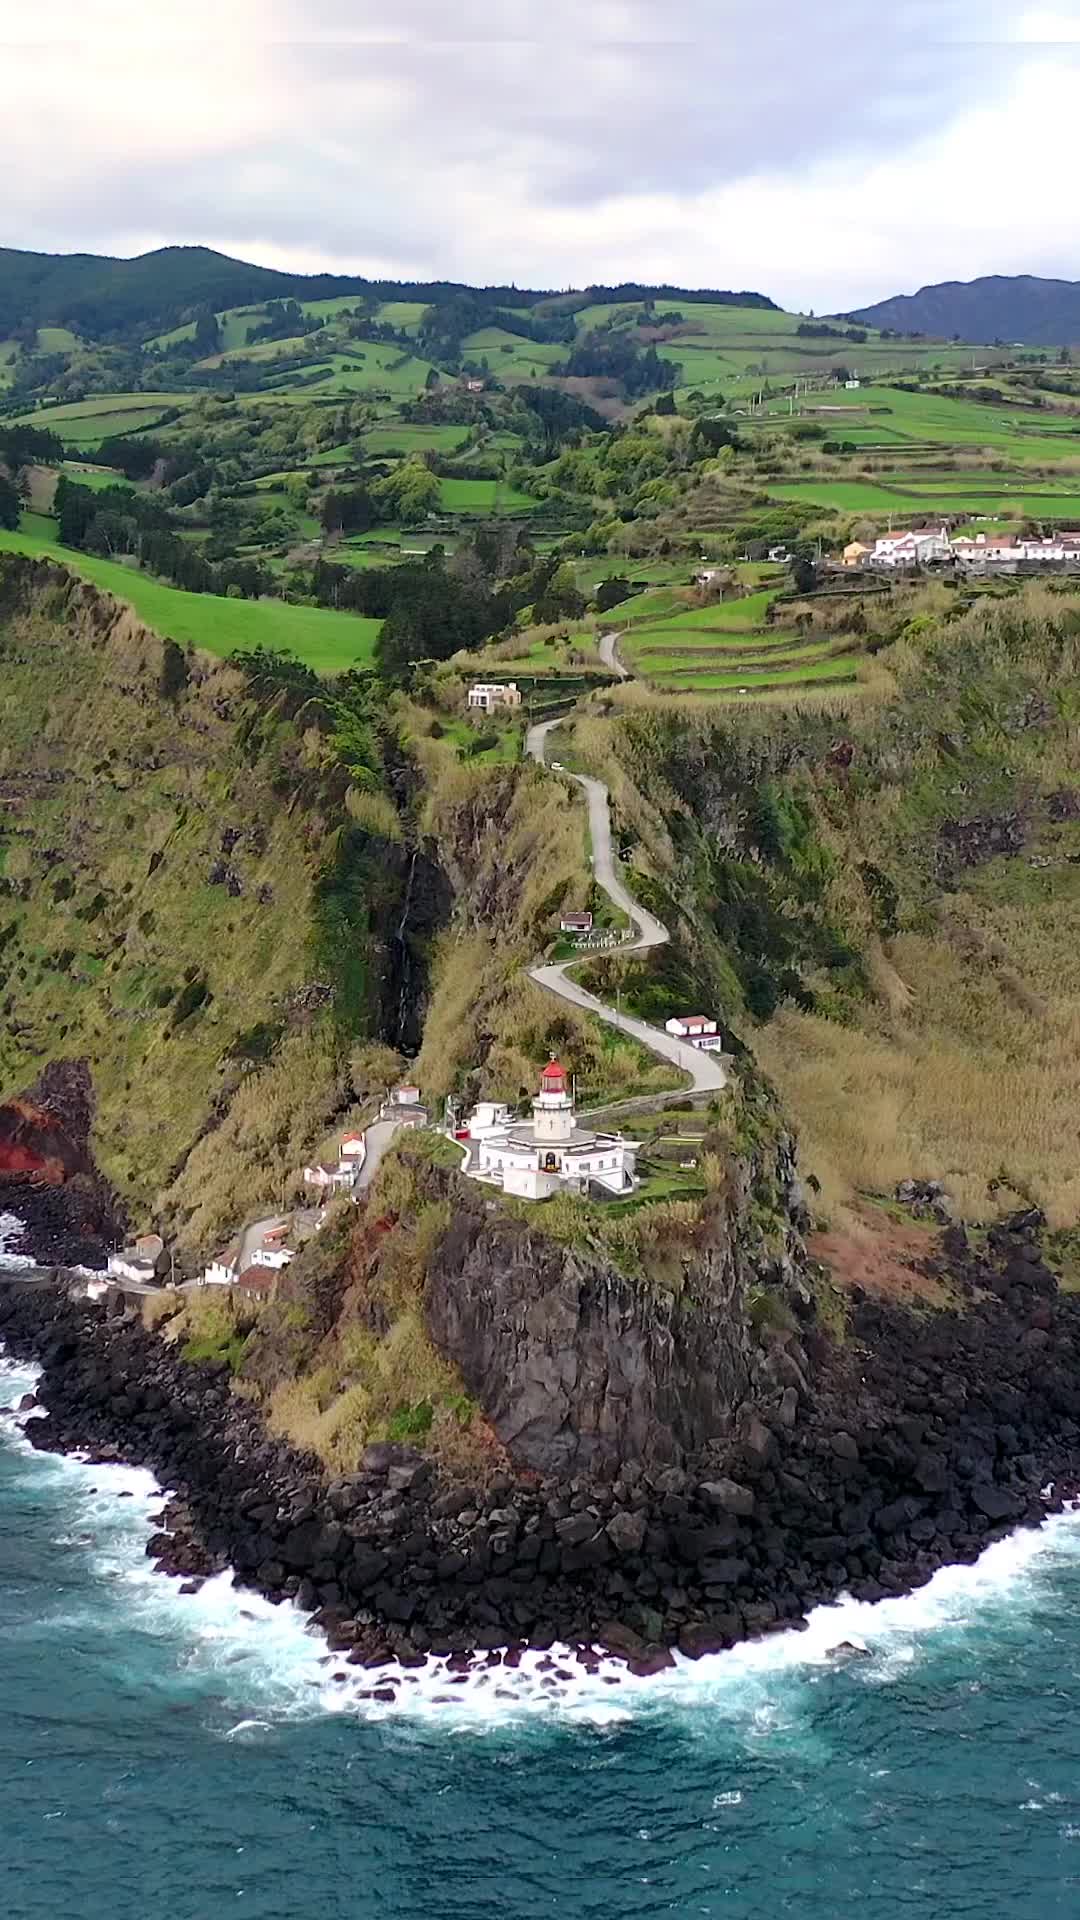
553,1109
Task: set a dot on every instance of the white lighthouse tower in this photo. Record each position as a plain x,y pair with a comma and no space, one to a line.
553,1109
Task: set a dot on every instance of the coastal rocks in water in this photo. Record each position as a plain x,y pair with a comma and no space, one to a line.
915,1443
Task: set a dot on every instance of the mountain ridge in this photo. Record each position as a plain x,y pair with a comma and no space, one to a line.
1024,308
103,296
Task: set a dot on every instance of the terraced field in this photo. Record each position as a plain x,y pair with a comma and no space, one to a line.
727,647
736,348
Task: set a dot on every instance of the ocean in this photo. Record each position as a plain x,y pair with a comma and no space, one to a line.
193,1756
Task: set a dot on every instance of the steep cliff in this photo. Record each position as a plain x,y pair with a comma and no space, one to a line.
210,890
574,1336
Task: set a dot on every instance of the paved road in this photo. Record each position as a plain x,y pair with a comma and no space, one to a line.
377,1138
704,1069
609,656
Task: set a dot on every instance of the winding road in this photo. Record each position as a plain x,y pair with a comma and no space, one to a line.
609,656
705,1070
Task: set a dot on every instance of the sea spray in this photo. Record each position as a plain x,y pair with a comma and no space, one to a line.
268,1664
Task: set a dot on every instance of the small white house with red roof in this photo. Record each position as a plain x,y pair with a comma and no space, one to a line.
698,1029
551,1153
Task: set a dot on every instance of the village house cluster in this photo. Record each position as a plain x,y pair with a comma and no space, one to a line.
977,553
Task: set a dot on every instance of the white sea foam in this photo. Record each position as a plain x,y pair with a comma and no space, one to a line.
266,1662
11,1237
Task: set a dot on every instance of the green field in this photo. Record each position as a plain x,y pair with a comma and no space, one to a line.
327,641
56,340
738,348
407,439
855,496
509,356
935,419
809,674
94,477
86,422
366,367
403,314
483,496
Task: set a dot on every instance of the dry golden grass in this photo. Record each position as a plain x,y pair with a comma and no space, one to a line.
252,1161
973,1083
355,1392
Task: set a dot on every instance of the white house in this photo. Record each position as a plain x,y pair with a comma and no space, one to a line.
325,1177
917,547
576,923
330,1177
551,1153
488,1117
222,1270
138,1262
853,385
697,1029
486,695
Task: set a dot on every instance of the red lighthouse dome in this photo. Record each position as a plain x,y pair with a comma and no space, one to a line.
553,1078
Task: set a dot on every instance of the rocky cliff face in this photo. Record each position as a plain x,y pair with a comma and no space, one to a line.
578,1367
605,1340
47,1173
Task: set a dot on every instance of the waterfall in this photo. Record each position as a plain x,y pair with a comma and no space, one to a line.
404,956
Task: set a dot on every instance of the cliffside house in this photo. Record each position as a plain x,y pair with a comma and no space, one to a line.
576,923
856,553
697,1029
486,695
256,1283
338,1176
274,1250
139,1261
222,1269
551,1153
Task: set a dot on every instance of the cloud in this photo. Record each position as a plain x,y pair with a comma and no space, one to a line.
826,157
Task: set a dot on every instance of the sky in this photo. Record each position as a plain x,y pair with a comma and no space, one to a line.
826,152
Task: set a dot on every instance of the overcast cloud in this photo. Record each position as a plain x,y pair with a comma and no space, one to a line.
827,152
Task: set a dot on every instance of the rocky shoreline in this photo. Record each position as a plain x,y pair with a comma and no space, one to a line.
913,1444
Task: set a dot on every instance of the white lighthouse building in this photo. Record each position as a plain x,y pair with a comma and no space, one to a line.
551,1154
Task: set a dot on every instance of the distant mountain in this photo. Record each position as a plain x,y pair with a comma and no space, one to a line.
123,300
1007,307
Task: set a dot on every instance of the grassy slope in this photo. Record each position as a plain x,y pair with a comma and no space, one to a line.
947,1043
123,908
325,640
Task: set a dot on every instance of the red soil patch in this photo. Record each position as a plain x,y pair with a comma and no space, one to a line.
881,1255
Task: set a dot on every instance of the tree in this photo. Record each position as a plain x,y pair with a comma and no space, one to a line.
9,503
207,333
804,566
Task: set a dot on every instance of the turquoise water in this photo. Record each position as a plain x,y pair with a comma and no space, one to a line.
193,1757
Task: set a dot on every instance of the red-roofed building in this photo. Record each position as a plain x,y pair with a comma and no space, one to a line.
256,1283
698,1029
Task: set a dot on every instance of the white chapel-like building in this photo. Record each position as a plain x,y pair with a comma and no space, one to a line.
550,1154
